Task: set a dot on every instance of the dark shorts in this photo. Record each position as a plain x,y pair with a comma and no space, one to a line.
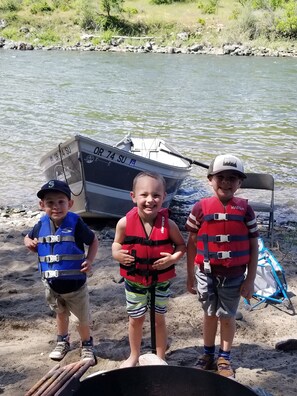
219,296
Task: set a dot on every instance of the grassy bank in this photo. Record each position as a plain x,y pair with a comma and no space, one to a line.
271,23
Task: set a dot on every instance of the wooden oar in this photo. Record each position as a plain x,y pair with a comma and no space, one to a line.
191,161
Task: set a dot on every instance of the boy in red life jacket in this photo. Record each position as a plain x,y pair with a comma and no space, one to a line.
147,243
222,246
59,238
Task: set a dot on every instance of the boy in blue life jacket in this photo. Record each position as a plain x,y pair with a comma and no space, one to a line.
222,246
59,238
147,244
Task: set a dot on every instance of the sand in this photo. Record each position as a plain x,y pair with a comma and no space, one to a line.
27,325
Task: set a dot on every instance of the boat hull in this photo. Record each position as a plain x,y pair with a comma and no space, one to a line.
100,176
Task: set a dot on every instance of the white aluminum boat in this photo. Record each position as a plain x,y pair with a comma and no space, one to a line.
100,175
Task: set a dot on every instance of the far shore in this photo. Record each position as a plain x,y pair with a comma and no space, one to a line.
119,45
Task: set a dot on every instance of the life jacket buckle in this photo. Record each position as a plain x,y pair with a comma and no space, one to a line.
51,274
206,266
52,238
220,216
52,258
224,255
223,238
131,270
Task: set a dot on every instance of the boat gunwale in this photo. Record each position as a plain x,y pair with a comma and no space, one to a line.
187,168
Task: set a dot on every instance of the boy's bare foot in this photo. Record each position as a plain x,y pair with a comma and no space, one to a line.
130,362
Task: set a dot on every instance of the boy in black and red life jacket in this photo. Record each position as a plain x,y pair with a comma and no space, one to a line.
59,238
222,253
147,244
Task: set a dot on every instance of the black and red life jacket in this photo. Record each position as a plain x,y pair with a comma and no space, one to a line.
147,249
223,237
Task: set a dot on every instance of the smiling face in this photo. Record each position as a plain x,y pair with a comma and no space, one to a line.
148,194
225,185
56,205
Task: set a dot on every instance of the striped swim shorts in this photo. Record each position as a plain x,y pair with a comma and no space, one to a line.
138,298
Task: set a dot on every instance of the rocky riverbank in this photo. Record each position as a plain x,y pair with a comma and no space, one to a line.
120,45
28,327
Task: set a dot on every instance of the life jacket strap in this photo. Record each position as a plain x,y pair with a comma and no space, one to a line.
224,238
57,273
55,258
134,240
223,216
56,238
146,272
225,254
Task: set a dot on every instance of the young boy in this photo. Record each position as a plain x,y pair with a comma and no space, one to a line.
147,244
59,239
222,246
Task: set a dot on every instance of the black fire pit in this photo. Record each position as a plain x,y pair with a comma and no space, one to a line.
158,381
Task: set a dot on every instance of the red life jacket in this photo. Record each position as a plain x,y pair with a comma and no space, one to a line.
146,250
223,237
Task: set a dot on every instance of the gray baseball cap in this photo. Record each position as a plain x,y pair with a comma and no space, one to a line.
226,162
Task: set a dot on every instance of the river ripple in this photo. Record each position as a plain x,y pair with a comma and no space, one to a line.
203,105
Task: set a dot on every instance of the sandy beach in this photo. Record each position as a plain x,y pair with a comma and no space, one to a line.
28,327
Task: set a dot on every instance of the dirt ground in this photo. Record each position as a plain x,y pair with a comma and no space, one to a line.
28,327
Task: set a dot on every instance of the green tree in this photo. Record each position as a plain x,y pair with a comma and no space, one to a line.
109,6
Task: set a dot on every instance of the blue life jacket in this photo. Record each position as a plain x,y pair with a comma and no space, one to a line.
58,254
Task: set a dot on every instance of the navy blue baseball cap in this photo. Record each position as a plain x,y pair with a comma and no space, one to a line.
54,185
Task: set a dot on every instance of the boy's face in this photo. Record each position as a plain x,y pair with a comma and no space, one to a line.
56,205
148,195
225,184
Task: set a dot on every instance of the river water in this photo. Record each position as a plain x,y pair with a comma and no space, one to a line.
202,105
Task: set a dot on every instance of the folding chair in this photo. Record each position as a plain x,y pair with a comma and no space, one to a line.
270,283
262,181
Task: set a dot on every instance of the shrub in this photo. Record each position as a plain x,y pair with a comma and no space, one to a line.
63,5
10,5
130,11
88,19
48,37
256,24
158,2
109,6
11,33
201,21
42,6
287,26
107,35
209,6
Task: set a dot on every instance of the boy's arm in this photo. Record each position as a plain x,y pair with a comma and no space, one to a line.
167,259
178,240
191,254
30,243
119,254
247,288
92,251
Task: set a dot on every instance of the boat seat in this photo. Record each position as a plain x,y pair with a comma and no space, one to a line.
265,203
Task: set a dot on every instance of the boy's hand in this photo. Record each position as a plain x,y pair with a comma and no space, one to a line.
191,285
164,262
123,257
247,289
86,266
31,244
